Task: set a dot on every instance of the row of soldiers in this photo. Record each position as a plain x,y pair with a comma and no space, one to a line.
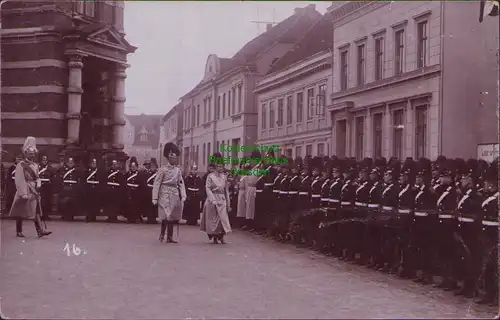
416,219
93,191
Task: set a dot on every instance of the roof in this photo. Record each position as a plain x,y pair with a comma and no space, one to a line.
292,29
317,39
149,124
171,112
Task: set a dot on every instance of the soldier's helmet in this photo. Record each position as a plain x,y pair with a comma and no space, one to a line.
378,166
133,160
350,168
492,172
317,164
424,169
447,168
171,148
336,164
471,169
365,165
482,169
460,167
408,169
440,160
297,163
393,168
153,162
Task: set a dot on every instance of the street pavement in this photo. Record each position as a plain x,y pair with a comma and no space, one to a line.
122,271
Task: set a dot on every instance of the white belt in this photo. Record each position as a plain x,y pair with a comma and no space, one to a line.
362,204
268,184
293,192
373,205
93,182
132,185
70,181
335,200
283,192
150,185
325,199
44,180
276,191
421,214
387,208
490,223
258,191
113,184
345,203
315,196
404,210
463,219
303,193
445,216
193,189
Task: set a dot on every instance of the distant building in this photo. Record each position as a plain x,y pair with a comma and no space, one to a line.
222,108
293,96
413,79
171,129
63,77
142,136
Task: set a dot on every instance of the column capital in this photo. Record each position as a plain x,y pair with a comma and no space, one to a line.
76,116
120,72
75,60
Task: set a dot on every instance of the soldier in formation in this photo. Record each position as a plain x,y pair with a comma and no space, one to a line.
194,189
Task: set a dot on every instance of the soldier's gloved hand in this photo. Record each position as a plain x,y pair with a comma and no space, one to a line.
155,202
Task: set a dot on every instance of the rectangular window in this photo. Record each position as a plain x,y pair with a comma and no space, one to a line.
271,115
234,101
309,150
204,153
343,69
310,103
397,143
421,131
264,116
377,135
289,101
298,151
205,111
209,152
217,111
223,106
209,107
239,98
198,115
399,47
379,58
361,65
320,109
321,149
280,112
229,103
197,154
300,106
289,153
360,130
193,116
341,133
422,44
218,147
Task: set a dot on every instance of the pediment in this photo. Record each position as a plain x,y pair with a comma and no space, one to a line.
107,36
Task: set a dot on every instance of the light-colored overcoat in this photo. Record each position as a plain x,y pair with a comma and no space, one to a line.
215,220
242,187
27,183
169,190
250,194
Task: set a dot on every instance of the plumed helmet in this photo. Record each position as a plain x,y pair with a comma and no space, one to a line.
365,165
297,163
440,160
170,148
460,166
30,144
393,167
408,168
447,168
424,168
133,160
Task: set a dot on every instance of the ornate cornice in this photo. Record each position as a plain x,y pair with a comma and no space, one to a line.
354,10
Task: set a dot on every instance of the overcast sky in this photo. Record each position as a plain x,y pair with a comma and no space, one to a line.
174,40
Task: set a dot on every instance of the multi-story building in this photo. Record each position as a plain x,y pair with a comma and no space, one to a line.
142,136
293,96
171,130
63,76
222,108
413,79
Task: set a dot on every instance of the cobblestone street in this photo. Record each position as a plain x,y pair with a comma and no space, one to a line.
123,272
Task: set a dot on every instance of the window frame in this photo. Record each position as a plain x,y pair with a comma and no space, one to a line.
281,112
421,134
399,51
300,106
361,63
263,116
422,43
309,149
398,134
344,68
271,115
310,106
379,55
359,126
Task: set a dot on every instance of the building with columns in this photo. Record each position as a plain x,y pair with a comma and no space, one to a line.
413,79
292,97
222,108
63,77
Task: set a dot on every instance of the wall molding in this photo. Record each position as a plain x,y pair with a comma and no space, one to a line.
39,141
42,63
34,89
45,115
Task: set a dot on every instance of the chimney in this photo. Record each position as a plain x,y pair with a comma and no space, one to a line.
269,26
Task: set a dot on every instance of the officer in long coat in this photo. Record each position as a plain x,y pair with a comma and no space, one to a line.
150,211
192,206
361,210
70,191
347,199
135,186
334,214
45,174
115,192
93,188
373,232
489,236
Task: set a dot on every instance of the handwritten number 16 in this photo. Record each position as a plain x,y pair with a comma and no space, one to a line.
76,251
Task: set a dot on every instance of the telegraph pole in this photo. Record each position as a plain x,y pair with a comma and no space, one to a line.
258,22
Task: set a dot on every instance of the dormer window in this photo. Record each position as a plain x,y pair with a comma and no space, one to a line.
144,137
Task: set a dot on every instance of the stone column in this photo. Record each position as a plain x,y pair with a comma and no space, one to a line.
75,91
119,107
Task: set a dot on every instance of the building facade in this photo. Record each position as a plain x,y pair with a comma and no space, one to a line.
142,137
222,108
171,130
293,96
63,77
413,79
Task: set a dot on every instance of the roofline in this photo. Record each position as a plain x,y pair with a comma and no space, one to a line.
171,111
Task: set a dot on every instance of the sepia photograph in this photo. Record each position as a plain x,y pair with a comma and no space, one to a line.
249,159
